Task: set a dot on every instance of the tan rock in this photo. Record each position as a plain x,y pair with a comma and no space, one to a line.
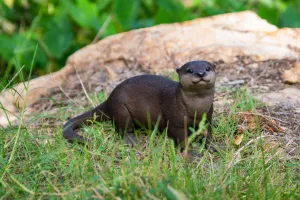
292,75
162,47
287,96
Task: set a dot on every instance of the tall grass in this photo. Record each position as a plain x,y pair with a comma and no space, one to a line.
39,163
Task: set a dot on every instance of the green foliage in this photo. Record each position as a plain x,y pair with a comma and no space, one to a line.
84,13
58,24
61,27
126,13
291,17
170,11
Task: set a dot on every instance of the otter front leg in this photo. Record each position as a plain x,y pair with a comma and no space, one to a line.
124,125
209,131
180,138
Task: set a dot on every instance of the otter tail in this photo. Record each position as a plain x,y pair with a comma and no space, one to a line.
98,113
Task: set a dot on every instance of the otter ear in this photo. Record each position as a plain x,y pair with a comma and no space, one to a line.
178,70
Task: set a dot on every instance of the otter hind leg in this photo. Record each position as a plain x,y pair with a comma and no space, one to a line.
124,125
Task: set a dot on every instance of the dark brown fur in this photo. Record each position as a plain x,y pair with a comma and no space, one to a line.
135,99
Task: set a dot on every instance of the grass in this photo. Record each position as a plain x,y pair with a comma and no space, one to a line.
39,163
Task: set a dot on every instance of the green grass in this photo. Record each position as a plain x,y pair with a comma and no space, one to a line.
39,163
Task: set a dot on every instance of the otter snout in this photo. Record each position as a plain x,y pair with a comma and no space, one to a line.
201,74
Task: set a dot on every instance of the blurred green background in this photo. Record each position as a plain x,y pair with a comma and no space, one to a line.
54,29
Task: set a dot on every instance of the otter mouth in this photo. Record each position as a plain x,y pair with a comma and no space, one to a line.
198,80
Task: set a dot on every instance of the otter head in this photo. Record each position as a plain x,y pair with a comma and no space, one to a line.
197,75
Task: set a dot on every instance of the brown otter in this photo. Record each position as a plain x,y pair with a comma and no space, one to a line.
138,99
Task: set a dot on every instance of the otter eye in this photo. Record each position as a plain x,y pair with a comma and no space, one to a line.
190,71
208,69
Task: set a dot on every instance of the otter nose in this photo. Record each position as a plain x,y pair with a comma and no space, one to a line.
201,74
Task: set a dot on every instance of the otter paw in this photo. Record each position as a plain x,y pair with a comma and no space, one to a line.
211,148
130,139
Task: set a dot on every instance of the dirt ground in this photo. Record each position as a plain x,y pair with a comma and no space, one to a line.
263,78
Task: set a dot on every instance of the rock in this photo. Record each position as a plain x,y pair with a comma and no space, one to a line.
292,75
286,97
221,38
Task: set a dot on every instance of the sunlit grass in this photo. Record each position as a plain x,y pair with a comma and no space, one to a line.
39,163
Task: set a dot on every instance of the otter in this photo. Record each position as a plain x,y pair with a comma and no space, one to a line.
144,98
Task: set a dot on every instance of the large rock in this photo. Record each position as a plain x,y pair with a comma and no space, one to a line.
221,38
